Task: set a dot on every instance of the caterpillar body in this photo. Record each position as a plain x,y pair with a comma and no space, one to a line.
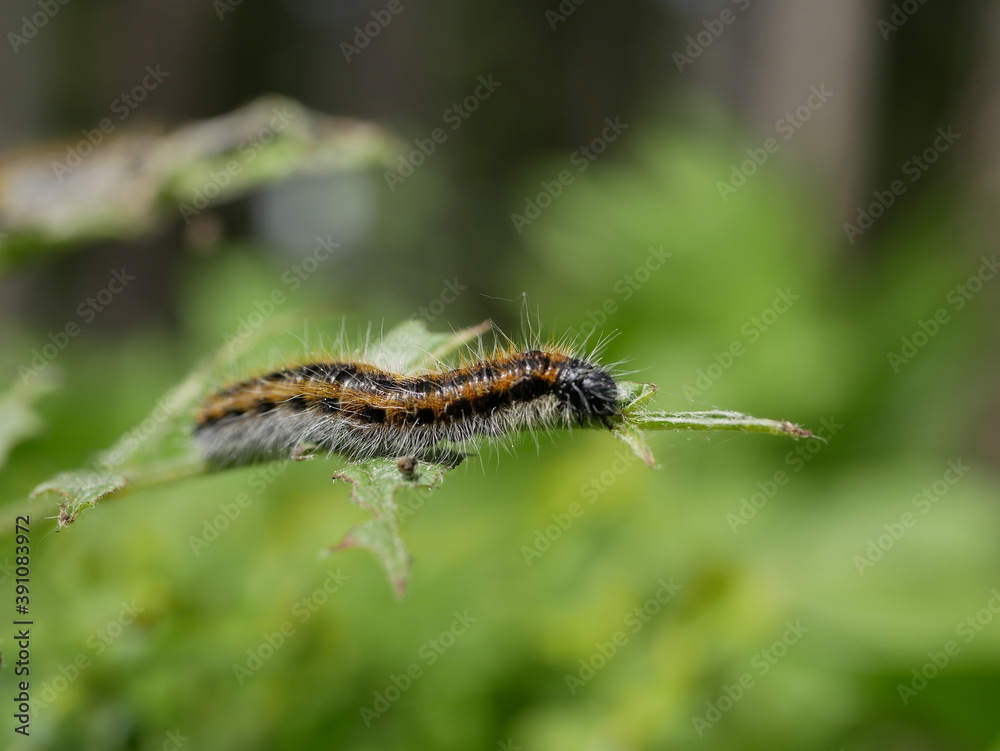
363,411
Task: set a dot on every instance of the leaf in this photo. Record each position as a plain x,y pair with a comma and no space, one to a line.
154,452
81,490
374,485
635,440
411,347
632,395
133,180
716,420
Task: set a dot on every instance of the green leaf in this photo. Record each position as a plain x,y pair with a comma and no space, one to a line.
133,180
715,420
632,396
410,346
374,485
81,490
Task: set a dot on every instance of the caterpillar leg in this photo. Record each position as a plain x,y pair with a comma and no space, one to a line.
303,452
441,455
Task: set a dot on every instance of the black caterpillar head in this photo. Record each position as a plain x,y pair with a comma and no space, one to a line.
588,391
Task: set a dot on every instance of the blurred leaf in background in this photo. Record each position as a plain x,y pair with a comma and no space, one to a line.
121,184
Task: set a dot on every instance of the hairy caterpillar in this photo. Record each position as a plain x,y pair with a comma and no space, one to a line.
363,411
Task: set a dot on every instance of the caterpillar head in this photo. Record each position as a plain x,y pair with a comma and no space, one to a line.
588,392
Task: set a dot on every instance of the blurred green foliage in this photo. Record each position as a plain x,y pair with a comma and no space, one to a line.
253,641
55,198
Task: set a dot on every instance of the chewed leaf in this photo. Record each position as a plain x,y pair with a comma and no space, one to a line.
374,487
81,490
154,452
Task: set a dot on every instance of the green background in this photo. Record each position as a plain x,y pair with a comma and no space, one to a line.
862,565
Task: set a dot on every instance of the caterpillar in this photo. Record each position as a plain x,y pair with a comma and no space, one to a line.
363,411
